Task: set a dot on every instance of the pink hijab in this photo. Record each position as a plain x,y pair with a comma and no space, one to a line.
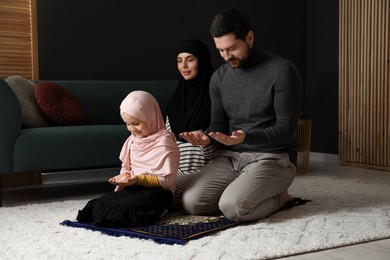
156,154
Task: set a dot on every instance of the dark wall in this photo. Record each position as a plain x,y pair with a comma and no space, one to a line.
321,73
136,40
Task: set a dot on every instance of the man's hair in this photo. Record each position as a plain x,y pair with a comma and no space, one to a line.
230,21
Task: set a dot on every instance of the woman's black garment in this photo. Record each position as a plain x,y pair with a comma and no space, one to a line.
130,207
189,107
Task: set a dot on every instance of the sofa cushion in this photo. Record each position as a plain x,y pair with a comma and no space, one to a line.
58,104
69,147
24,92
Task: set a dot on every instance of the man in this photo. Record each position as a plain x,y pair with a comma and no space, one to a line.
256,100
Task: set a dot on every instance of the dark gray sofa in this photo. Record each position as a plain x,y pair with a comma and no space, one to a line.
93,145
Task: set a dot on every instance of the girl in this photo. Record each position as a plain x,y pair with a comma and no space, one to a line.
150,159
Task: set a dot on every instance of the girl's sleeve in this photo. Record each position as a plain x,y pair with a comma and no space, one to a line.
148,181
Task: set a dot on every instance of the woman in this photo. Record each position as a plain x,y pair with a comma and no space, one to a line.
189,108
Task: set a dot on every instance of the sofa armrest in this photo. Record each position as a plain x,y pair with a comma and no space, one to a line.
10,126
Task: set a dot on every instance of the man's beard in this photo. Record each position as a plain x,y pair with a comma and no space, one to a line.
229,61
241,62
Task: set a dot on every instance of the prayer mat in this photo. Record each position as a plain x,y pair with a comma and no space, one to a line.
173,229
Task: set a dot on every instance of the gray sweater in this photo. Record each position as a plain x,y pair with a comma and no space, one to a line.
263,98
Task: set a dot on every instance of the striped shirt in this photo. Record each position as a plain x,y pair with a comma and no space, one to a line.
192,158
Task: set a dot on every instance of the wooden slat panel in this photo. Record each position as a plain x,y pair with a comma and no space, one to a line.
18,53
364,96
13,3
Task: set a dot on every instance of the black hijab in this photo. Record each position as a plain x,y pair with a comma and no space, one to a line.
189,107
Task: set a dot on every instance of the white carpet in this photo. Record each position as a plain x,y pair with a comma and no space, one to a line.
342,212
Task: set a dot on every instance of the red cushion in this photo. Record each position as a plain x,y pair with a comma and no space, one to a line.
58,104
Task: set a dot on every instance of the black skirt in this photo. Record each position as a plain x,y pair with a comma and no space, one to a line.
130,207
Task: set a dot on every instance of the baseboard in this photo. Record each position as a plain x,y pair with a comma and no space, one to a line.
324,157
80,176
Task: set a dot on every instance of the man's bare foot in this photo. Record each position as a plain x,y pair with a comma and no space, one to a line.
284,197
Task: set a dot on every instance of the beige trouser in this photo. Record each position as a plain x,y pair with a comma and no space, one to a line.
244,186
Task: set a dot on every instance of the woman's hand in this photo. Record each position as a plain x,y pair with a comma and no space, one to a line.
196,137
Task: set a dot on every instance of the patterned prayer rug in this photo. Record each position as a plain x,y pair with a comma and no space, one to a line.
175,227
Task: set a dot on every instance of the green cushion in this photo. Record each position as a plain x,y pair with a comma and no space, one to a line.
69,147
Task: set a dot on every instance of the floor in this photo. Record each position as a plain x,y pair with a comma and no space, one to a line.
375,250
320,164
